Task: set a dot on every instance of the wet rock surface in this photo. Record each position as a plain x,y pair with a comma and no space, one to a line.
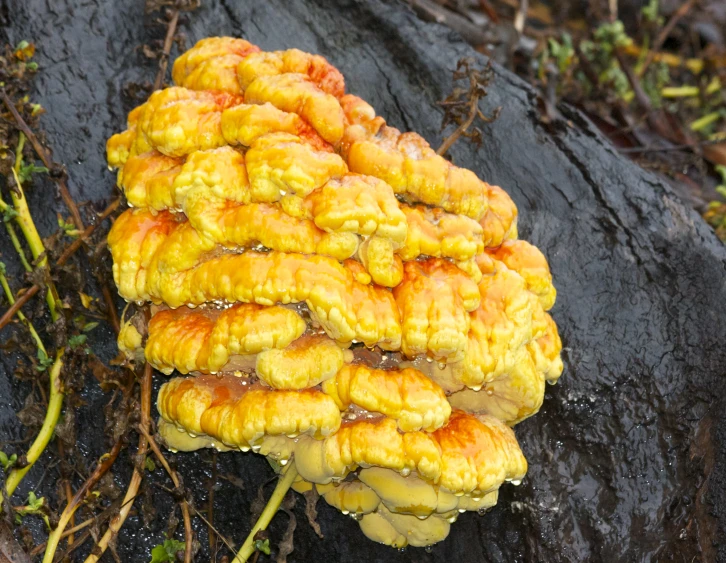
625,461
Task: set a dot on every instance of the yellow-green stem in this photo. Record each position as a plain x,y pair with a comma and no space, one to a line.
21,316
55,403
705,121
27,226
16,244
287,477
680,91
690,91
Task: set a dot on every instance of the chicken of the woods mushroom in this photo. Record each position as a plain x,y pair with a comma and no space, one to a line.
331,289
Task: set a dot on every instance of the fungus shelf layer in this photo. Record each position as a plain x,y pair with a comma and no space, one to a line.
333,289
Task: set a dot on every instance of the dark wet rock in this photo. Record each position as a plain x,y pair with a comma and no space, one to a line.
626,456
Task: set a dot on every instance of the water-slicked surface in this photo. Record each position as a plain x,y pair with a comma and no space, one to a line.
625,463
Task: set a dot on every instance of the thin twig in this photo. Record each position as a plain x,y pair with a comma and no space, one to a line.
64,192
164,60
461,129
642,97
84,536
613,9
430,10
210,504
66,485
76,244
489,10
104,464
45,158
70,531
665,32
71,548
15,307
67,253
137,476
188,536
110,308
462,106
521,16
201,516
23,319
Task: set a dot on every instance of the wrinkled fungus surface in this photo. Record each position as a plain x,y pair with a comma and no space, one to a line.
626,456
280,227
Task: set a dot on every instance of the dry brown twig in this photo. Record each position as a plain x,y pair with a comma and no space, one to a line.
66,483
665,32
15,307
654,118
188,536
164,57
58,175
462,105
47,161
104,464
489,10
430,10
83,237
137,476
108,511
521,16
62,259
210,505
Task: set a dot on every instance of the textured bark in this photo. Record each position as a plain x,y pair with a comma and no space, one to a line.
625,461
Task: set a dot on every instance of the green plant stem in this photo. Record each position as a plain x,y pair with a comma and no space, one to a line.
705,121
16,244
11,299
680,91
55,401
690,91
287,477
55,404
27,226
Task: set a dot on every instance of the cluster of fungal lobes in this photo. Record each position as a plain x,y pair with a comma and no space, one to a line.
332,288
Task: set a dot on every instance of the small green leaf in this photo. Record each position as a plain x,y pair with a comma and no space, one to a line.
650,12
166,552
27,170
149,464
159,555
22,45
9,214
34,503
7,462
88,327
68,227
77,340
35,506
263,546
44,361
